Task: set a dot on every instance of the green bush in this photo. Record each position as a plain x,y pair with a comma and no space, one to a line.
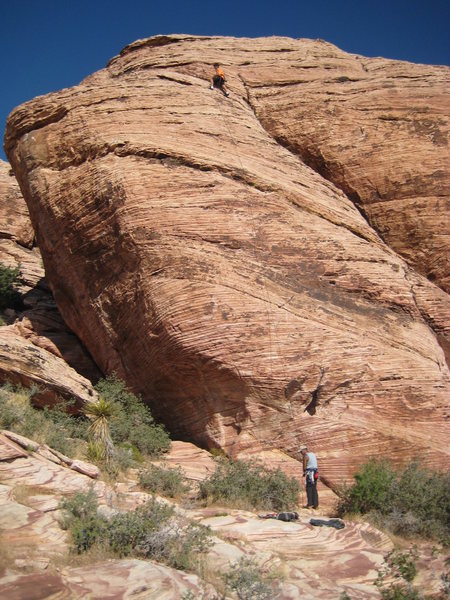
10,280
128,531
410,502
248,581
179,543
248,484
52,426
151,531
79,515
165,482
133,421
371,490
395,578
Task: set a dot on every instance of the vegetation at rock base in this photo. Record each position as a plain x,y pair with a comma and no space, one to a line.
166,482
54,426
10,296
151,531
116,432
10,280
413,502
132,421
250,485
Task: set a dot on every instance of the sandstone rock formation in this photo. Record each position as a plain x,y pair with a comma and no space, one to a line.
241,293
15,221
36,329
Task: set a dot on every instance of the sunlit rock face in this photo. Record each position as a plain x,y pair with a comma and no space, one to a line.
241,293
36,324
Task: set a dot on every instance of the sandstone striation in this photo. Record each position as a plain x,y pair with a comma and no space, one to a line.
15,221
194,251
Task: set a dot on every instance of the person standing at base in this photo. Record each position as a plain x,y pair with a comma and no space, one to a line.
218,80
311,474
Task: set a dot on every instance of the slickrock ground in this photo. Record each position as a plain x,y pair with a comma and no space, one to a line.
242,294
37,347
35,564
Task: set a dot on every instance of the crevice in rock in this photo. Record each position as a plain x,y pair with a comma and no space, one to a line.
317,167
174,79
438,332
312,406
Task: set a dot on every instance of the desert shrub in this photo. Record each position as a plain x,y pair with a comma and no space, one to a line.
163,481
371,490
395,578
10,280
94,452
76,426
52,426
151,531
247,580
248,484
127,456
80,516
11,413
132,421
409,502
127,531
179,543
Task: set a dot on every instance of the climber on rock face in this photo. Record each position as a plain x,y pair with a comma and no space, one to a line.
218,80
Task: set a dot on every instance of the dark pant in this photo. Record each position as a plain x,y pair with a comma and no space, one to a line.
218,81
311,493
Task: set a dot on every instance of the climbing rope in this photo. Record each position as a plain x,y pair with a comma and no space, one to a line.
252,224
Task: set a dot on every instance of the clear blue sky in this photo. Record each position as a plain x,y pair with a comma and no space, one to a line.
50,44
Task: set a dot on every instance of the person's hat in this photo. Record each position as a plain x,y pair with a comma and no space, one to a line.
302,448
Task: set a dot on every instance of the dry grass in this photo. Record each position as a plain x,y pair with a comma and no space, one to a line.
17,555
22,493
6,555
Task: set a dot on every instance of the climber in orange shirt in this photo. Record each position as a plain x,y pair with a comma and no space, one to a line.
218,80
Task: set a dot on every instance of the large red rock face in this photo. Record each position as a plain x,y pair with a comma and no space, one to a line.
241,293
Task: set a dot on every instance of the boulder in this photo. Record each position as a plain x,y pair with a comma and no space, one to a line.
195,252
23,363
38,319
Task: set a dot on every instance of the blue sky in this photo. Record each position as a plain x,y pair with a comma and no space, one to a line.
50,44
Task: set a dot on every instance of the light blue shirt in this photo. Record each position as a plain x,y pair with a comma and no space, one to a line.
312,460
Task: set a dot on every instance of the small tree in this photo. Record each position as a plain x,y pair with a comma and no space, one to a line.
10,279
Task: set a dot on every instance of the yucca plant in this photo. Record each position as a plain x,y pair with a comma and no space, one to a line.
100,413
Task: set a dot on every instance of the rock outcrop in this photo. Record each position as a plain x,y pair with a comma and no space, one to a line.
246,298
36,347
